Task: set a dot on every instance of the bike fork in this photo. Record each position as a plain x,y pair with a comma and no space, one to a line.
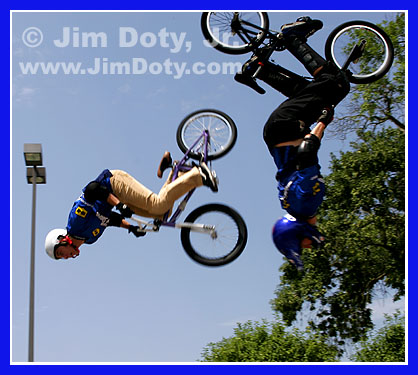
200,228
355,54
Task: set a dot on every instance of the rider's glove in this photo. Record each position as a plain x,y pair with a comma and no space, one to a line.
327,116
124,209
137,232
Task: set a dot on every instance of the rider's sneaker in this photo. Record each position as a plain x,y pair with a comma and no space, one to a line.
208,177
303,28
247,80
165,163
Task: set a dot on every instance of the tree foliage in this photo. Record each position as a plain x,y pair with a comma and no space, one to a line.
363,220
273,342
384,345
374,105
270,342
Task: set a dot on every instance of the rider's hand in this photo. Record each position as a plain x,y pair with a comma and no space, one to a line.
327,116
137,232
124,209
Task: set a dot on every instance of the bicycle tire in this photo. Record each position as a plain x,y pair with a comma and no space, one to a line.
233,231
370,68
217,30
222,132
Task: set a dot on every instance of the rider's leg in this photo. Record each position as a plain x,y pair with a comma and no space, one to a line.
295,35
312,61
146,203
281,79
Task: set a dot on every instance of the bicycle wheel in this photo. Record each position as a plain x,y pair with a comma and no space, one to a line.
377,57
227,242
234,33
221,129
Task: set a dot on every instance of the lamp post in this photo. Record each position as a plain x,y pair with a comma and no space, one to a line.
34,175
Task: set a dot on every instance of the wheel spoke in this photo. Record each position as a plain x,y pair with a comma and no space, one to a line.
220,26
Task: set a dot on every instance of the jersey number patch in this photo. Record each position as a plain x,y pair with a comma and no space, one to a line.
316,188
81,212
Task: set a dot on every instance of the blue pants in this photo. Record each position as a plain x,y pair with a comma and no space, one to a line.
302,192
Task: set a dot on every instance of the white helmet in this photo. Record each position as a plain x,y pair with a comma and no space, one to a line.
52,239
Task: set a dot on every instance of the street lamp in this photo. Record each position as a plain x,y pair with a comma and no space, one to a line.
34,175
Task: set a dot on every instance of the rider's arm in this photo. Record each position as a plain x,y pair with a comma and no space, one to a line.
318,130
326,117
323,121
117,220
125,224
112,200
123,208
307,154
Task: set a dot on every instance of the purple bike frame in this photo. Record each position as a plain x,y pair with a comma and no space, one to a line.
182,167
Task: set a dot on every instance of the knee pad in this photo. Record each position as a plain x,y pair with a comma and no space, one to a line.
307,154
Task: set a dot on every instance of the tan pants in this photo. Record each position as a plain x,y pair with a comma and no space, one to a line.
146,203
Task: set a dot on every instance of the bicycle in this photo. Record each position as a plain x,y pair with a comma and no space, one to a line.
213,234
239,33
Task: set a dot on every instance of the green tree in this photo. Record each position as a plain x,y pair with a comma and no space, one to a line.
384,345
270,342
382,102
363,220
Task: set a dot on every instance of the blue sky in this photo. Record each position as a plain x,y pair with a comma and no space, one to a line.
126,299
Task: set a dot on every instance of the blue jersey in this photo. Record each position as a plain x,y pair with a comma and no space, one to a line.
87,221
301,192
